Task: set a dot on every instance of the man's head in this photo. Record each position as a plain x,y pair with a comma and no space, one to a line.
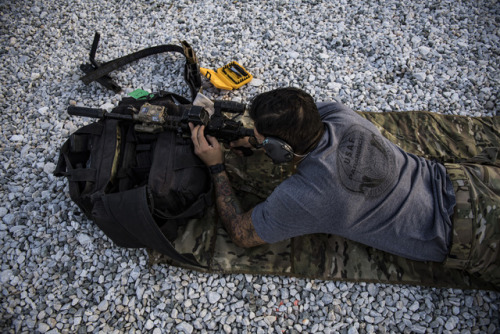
289,114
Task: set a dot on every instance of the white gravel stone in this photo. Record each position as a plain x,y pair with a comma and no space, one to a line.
213,297
424,50
49,167
256,82
8,218
149,324
420,76
107,106
17,138
451,323
43,110
6,275
414,307
185,327
3,212
84,239
43,327
103,305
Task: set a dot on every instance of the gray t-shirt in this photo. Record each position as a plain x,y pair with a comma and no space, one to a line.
359,185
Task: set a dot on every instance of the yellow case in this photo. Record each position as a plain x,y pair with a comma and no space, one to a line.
228,77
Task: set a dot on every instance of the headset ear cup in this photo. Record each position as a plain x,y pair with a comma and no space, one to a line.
278,150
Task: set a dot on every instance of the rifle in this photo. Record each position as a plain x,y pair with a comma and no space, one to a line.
152,118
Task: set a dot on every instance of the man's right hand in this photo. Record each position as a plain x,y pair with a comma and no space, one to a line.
242,142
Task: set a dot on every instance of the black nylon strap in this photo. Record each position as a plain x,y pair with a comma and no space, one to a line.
93,129
80,143
77,143
105,80
119,62
63,160
143,147
82,174
176,98
99,72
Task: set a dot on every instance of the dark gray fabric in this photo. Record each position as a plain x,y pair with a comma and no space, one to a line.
359,185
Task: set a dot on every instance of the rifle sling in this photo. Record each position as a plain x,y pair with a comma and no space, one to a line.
191,69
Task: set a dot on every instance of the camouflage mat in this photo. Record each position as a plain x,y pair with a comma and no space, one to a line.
439,137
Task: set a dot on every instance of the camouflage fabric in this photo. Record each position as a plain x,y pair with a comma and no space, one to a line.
476,222
440,137
444,138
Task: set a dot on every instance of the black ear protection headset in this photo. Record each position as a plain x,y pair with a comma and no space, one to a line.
277,149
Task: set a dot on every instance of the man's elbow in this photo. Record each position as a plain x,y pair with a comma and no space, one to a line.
242,243
245,242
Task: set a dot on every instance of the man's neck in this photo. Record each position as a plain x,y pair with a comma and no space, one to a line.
313,145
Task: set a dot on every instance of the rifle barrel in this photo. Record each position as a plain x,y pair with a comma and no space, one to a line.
96,113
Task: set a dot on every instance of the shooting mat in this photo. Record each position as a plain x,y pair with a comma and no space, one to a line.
444,138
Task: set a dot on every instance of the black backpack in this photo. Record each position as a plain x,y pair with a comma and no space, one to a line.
138,187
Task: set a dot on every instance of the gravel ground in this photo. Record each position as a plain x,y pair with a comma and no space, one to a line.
60,274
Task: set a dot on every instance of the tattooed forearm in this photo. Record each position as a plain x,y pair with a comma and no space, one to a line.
223,186
237,223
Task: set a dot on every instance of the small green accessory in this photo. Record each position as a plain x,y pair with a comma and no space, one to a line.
140,94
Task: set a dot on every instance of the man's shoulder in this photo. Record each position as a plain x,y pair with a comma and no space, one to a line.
333,108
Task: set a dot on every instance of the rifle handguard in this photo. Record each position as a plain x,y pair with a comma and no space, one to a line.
86,112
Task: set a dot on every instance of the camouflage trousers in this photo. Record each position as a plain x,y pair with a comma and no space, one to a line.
470,150
453,140
476,221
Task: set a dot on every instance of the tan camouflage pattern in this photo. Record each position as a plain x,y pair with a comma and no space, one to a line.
444,138
320,256
476,229
197,236
463,219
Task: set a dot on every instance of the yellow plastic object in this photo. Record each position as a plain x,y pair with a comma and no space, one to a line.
228,77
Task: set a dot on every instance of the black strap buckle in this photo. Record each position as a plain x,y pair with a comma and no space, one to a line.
105,80
191,69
